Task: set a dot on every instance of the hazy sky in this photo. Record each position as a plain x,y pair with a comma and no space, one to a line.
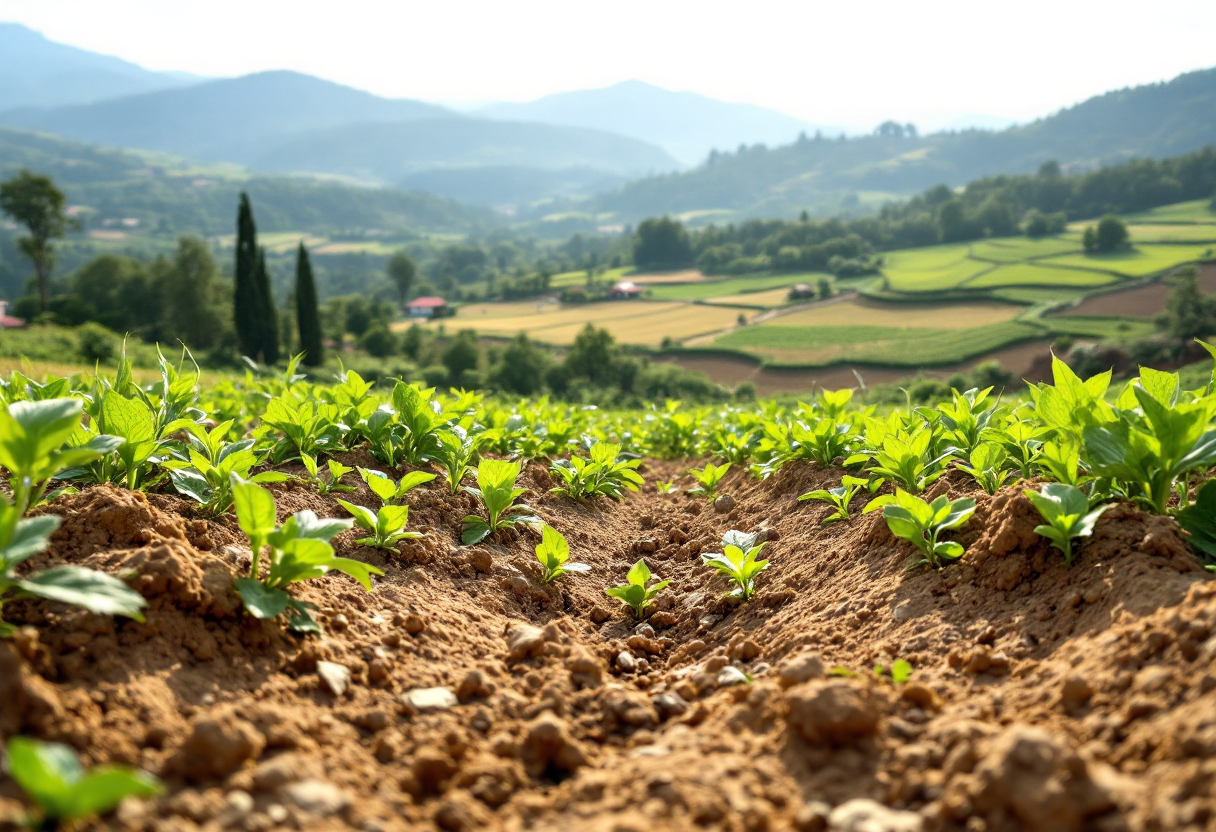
847,63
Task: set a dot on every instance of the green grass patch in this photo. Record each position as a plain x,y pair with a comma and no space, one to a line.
1086,326
1033,274
1141,261
1017,249
709,289
898,347
1033,295
579,277
1197,210
930,269
1172,233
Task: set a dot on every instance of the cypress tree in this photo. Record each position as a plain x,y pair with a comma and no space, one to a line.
268,319
308,320
245,303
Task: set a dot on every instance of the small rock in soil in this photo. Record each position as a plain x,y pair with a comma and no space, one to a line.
336,677
424,700
644,629
524,640
414,624
813,817
1075,692
548,743
865,815
662,618
669,704
319,798
730,676
832,711
626,662
801,668
218,746
903,611
743,649
724,504
273,774
474,685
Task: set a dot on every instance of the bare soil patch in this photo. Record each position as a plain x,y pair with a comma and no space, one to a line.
1143,302
1044,698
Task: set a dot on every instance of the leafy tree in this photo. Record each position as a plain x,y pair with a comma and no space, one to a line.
268,321
952,224
662,243
461,356
1112,234
522,367
1189,314
402,271
413,341
1089,239
379,341
34,202
187,290
593,356
308,319
246,303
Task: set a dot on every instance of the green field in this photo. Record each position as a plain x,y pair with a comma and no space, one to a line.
1034,274
731,286
1138,262
1199,210
579,278
1017,249
930,269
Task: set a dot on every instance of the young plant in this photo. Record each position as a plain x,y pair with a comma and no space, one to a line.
210,481
664,487
986,465
387,526
634,593
1198,520
455,455
739,566
708,478
553,552
908,459
336,472
920,523
603,475
51,776
901,671
21,539
497,492
32,437
838,497
1066,510
389,492
296,551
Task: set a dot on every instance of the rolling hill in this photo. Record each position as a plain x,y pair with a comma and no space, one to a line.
36,72
825,176
685,124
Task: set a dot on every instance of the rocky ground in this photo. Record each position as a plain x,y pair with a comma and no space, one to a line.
465,695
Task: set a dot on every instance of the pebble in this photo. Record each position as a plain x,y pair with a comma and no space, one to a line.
414,624
731,676
724,504
336,677
801,668
524,640
218,747
865,815
626,662
644,629
903,611
317,797
1075,692
424,700
339,623
237,806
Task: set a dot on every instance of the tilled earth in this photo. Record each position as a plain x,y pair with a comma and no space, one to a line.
465,695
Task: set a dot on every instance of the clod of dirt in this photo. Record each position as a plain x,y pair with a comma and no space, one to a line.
801,668
218,746
549,749
865,815
277,772
524,640
25,697
724,504
832,711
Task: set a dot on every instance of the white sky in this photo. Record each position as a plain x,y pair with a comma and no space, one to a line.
846,62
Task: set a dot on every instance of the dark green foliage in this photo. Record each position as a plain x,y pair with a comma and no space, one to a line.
245,298
521,368
1189,314
1038,224
1110,235
268,321
308,319
662,243
379,341
461,356
402,271
34,202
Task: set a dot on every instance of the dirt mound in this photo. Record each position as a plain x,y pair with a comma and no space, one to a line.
464,694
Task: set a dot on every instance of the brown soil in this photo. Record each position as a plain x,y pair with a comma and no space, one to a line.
1142,302
1026,361
1043,698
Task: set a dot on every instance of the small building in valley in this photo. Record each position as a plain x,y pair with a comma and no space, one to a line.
626,290
801,291
427,308
7,321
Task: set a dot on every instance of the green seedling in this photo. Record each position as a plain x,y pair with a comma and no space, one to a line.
708,478
634,593
32,446
1198,520
986,465
296,551
1066,510
920,523
909,460
603,475
210,483
307,427
336,472
901,671
387,526
739,565
838,497
52,777
664,487
389,492
553,552
455,455
21,539
497,492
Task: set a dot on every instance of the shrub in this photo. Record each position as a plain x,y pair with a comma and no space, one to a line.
96,344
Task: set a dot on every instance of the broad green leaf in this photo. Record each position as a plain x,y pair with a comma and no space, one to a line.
260,600
95,591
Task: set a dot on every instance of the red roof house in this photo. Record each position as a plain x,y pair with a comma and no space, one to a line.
626,290
7,321
426,308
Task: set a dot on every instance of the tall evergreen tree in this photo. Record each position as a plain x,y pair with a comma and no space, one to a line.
308,319
268,319
246,307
